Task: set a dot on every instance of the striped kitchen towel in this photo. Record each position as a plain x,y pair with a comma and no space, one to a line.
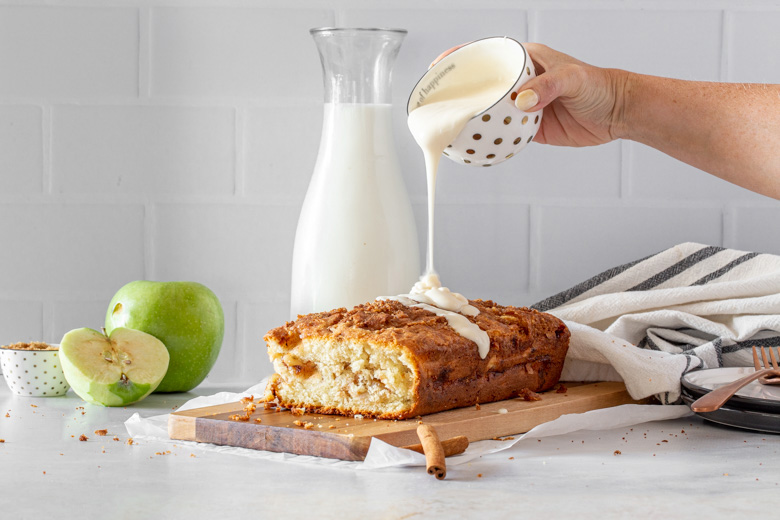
650,321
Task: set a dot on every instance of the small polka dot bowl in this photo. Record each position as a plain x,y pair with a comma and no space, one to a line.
33,369
500,131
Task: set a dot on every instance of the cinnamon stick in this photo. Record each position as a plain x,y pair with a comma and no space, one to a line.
453,446
434,452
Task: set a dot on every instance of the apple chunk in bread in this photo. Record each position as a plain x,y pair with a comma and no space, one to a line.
114,370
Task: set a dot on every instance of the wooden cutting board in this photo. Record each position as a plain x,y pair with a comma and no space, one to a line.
348,438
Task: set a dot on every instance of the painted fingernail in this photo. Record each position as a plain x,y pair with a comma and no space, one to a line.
526,100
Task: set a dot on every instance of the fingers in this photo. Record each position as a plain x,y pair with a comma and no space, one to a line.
559,76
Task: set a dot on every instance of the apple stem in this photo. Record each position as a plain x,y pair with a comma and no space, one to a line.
104,331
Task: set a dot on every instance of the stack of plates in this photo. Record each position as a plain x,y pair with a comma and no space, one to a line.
754,407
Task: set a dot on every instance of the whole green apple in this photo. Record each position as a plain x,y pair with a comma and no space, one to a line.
186,316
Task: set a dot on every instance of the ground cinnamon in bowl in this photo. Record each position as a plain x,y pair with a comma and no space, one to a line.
32,345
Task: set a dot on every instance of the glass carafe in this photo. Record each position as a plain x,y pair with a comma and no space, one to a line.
356,236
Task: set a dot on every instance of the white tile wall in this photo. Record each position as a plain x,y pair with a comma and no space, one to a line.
216,242
752,54
576,242
755,229
677,43
281,144
257,318
75,314
21,147
143,150
70,249
215,52
229,363
654,175
20,321
482,249
170,140
66,52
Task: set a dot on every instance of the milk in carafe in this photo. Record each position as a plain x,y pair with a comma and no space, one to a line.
356,236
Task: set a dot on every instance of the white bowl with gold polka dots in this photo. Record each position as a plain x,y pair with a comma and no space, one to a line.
502,130
33,372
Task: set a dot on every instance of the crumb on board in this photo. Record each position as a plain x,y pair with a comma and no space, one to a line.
561,389
130,441
617,452
102,433
526,394
83,438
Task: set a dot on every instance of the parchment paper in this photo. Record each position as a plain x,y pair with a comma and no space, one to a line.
383,455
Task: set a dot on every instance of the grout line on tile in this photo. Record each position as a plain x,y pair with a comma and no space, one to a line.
534,246
239,145
47,319
625,169
144,52
530,25
725,226
240,369
725,44
47,176
150,218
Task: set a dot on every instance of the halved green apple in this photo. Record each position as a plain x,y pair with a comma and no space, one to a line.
114,370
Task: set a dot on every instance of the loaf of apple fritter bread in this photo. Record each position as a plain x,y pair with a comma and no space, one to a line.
386,360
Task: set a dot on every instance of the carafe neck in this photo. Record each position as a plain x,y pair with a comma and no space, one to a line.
357,64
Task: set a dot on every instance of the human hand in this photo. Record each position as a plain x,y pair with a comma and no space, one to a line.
583,104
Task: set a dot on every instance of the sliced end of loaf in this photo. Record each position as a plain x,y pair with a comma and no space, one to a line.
326,375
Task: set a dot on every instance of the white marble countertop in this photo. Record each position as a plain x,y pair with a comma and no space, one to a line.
680,468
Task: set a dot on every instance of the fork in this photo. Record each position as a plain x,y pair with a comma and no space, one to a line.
764,373
769,379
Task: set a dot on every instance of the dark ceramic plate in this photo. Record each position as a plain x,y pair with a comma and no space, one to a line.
753,397
745,419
